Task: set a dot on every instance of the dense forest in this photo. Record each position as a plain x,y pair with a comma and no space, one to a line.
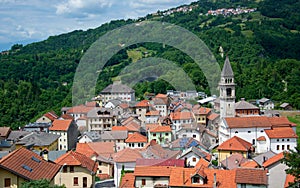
263,47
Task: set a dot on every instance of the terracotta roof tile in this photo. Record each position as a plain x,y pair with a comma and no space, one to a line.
281,132
73,158
150,126
212,116
181,115
51,115
85,149
153,113
244,122
127,155
250,164
280,121
60,125
103,147
235,144
119,128
273,160
255,176
203,111
127,181
160,162
161,95
202,163
67,116
143,103
37,167
124,105
261,138
157,171
81,109
136,138
289,179
160,129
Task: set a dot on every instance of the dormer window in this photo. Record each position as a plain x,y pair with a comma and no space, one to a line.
198,179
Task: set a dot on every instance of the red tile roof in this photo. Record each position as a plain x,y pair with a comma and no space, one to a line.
127,155
133,126
67,116
157,171
261,138
119,128
280,121
143,103
244,122
202,163
124,105
273,160
235,144
37,167
85,149
203,111
153,113
161,95
289,179
160,162
60,125
181,115
51,115
73,158
212,116
255,176
281,132
127,181
250,164
136,138
81,109
160,129
4,131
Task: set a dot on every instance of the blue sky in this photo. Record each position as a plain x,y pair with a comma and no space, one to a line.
26,21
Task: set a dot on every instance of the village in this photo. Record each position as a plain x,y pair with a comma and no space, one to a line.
162,141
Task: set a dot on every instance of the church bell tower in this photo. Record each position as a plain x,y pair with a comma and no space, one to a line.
227,91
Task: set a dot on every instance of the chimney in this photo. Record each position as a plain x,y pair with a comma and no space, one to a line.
215,181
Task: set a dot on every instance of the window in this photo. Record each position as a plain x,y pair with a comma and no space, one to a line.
139,145
288,147
277,147
253,141
261,131
154,134
71,168
75,181
65,169
277,140
249,131
282,140
84,182
196,179
194,136
236,132
282,147
7,182
167,134
194,159
144,182
288,140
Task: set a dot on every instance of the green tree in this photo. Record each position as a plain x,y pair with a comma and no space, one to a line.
292,160
43,183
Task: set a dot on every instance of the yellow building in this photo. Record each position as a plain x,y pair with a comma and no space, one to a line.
24,165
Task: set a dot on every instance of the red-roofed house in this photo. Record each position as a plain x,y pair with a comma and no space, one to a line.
234,145
79,111
24,165
281,139
201,115
161,134
47,117
252,177
141,109
67,129
276,170
181,117
136,140
152,116
78,170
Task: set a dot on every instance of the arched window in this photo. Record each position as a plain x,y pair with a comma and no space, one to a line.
228,91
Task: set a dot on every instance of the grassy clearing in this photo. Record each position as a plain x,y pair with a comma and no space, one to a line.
296,119
248,33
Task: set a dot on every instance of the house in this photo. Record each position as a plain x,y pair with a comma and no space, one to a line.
161,103
286,106
101,119
160,162
4,132
184,143
276,170
141,109
152,117
24,165
113,103
91,136
252,177
124,160
136,140
234,161
6,146
152,176
67,129
181,117
77,170
39,141
48,117
263,157
37,127
265,104
281,139
244,108
161,134
193,155
115,91
201,115
155,151
234,145
79,111
117,137
191,130
102,153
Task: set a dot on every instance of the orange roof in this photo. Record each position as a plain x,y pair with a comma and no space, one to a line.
281,132
261,138
150,126
273,160
235,144
119,128
212,116
51,115
29,165
143,103
73,158
280,121
124,105
153,113
244,122
202,163
60,125
81,109
255,176
133,126
127,181
203,111
289,179
136,138
181,115
85,149
161,96
250,164
127,155
159,171
160,129
67,116
103,147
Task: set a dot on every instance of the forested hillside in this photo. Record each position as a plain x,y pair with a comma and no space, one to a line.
263,47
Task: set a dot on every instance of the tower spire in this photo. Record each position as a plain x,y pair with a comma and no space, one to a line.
227,70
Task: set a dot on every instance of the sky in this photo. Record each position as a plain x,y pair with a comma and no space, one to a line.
27,21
